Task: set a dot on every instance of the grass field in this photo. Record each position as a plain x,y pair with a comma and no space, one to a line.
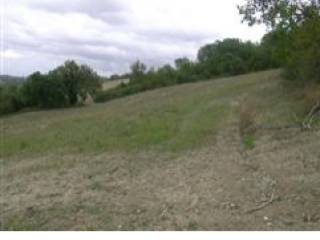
168,159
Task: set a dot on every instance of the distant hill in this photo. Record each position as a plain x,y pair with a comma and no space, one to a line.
11,79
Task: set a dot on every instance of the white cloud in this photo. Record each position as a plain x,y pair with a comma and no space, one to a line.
110,34
10,54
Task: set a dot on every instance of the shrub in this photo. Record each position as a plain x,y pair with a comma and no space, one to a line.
43,91
222,58
303,60
77,80
10,99
248,141
247,118
66,85
247,123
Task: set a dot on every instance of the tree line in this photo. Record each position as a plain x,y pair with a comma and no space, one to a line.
70,84
65,86
292,44
222,58
295,32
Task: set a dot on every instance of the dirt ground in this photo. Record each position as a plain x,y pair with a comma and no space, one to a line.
275,186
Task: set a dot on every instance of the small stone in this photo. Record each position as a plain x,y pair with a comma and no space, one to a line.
265,218
233,206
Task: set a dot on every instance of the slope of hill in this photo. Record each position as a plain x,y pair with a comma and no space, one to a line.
11,79
169,159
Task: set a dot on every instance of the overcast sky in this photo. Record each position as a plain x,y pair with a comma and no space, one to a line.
110,34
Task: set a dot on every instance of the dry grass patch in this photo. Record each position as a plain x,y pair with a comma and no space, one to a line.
248,122
311,95
247,117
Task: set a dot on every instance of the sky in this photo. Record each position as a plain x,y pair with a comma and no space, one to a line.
109,35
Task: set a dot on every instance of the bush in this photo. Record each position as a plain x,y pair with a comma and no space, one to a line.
62,87
247,118
232,57
247,123
10,99
43,91
248,141
303,63
77,81
66,85
222,58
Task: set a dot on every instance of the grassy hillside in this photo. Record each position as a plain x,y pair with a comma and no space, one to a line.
165,159
176,118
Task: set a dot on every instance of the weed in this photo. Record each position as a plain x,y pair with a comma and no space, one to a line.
193,226
247,115
247,123
248,141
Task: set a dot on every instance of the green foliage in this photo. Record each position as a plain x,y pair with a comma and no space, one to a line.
66,85
174,119
285,14
248,141
70,83
138,70
186,71
277,46
295,39
232,57
222,58
10,99
303,62
44,91
77,80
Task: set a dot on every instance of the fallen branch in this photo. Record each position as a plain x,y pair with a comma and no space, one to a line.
306,124
262,206
289,126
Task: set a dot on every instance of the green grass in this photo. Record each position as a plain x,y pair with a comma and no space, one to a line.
92,168
248,141
170,119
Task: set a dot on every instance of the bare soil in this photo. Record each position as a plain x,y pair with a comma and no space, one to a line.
110,166
275,186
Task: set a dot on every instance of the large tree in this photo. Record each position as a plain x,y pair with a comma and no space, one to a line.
44,91
138,70
79,80
228,57
279,13
295,26
66,85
